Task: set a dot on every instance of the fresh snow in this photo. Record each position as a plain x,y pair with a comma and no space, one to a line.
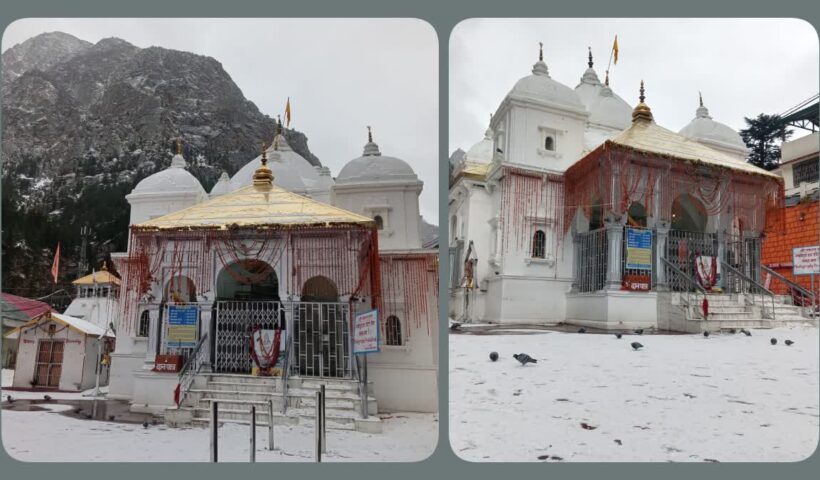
682,398
49,436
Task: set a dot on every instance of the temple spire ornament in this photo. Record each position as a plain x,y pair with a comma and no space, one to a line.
700,97
590,57
263,176
642,111
371,148
369,134
540,51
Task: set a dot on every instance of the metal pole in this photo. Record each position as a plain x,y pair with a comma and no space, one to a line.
324,419
364,386
270,425
317,429
253,434
97,382
214,427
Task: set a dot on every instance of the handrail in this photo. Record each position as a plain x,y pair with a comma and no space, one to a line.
191,367
763,291
794,287
286,371
691,306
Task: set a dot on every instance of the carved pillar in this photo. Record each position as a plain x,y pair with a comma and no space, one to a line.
205,323
615,241
661,233
576,261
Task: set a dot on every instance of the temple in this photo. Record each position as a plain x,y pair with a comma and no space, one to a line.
577,208
279,247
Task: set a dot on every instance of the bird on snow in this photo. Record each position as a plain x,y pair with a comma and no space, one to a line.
145,424
636,345
706,333
618,335
455,326
774,341
111,418
524,358
493,356
10,398
732,330
746,332
639,331
582,330
789,343
47,398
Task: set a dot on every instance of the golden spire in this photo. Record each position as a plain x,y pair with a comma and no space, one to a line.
540,52
642,111
263,176
590,57
179,146
104,266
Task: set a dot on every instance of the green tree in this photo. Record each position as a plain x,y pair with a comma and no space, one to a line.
762,136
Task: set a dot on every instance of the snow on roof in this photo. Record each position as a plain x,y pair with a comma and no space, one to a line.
76,324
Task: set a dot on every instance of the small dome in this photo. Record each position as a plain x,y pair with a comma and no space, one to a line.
610,110
372,167
540,88
702,128
590,87
223,185
174,179
284,175
481,152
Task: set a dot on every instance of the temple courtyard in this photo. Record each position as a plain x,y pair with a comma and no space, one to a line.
50,432
591,398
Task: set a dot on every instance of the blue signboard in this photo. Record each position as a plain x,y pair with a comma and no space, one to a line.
182,325
638,249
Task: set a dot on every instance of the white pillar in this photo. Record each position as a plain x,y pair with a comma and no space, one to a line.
205,314
615,240
661,232
153,334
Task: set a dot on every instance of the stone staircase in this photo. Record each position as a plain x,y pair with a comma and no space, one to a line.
236,394
736,311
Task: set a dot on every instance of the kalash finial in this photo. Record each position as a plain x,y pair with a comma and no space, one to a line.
263,176
369,134
540,51
590,57
642,111
700,98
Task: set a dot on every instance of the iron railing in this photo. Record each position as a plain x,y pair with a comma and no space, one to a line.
735,281
691,292
234,325
591,260
286,371
322,343
192,367
805,299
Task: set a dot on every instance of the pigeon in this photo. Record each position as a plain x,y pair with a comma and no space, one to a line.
145,424
706,334
789,343
636,345
47,398
455,326
618,335
732,331
582,330
10,398
639,331
111,418
493,356
746,332
524,358
774,341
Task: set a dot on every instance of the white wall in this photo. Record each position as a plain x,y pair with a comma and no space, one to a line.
97,310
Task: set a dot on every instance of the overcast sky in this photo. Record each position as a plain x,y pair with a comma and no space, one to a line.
341,75
743,67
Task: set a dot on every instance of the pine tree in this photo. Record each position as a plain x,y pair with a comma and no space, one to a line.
762,136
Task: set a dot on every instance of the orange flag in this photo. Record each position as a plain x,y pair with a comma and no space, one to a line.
287,113
615,50
55,266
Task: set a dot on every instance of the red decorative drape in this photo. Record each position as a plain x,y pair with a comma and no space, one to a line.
529,198
407,280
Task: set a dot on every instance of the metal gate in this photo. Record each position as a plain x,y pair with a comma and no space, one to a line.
744,255
234,323
681,249
322,342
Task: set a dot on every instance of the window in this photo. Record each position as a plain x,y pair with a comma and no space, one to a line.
549,144
392,330
379,222
539,244
145,324
806,172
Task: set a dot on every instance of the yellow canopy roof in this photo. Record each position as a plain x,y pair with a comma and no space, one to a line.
474,170
255,206
649,137
101,277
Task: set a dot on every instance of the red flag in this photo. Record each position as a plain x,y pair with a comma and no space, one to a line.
55,266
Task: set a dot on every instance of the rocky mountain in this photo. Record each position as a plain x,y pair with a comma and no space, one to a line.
82,123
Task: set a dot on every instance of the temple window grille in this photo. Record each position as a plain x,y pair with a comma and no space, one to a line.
379,222
539,244
145,324
806,172
549,144
591,260
392,330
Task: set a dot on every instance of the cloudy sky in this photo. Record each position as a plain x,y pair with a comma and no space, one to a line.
341,75
743,67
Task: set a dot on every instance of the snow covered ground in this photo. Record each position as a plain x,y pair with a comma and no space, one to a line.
49,436
590,397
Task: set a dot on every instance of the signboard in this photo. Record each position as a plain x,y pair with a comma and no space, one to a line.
638,283
168,363
182,325
806,260
366,332
638,249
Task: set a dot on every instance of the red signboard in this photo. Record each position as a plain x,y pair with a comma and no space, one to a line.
639,283
168,363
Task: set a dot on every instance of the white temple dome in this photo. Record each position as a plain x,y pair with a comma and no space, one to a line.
291,171
374,167
174,179
703,128
223,185
590,86
610,110
481,152
541,88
